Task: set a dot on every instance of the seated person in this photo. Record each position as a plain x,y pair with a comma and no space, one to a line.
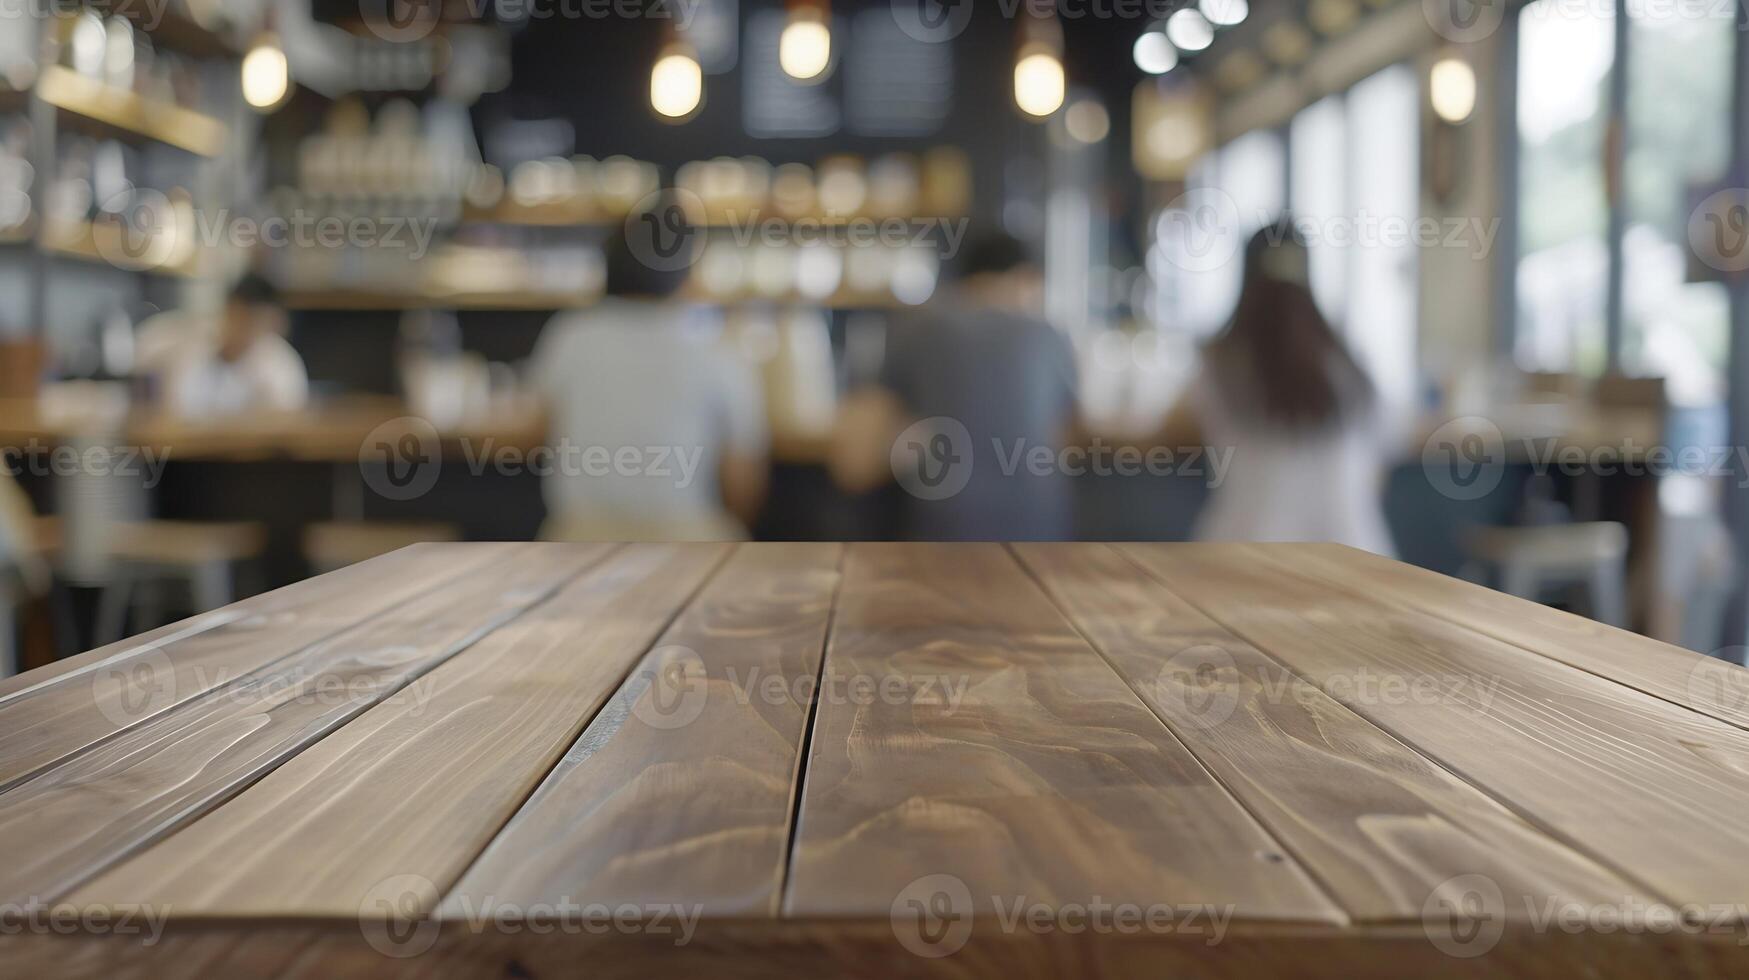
18,539
240,364
657,426
984,364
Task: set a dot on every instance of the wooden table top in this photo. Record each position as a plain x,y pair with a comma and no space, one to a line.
880,760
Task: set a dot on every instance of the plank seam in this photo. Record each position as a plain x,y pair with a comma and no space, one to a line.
538,784
9,785
1431,759
799,778
181,821
1409,606
1268,831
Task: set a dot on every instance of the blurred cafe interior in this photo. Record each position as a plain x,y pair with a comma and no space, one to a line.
285,284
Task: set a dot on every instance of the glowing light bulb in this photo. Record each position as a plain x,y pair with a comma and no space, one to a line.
266,76
1154,54
1189,30
1225,13
1451,85
676,85
804,49
1038,83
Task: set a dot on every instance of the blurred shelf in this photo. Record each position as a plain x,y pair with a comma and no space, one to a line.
81,243
129,114
540,215
343,299
17,236
179,31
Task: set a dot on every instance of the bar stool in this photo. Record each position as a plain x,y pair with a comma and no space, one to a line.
1529,561
329,545
146,555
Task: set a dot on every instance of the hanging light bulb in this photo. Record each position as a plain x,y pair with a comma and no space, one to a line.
266,75
1225,13
1038,81
1154,54
1452,89
804,49
676,82
1189,30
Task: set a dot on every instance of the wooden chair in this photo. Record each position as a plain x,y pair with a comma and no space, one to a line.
335,544
146,555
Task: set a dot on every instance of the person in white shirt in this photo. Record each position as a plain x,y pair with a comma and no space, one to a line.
657,427
246,365
1301,418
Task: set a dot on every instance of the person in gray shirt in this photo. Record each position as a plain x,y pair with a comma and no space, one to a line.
976,398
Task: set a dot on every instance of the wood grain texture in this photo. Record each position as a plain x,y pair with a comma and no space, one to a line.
1048,783
1337,766
1379,825
75,820
764,949
1605,768
681,790
411,791
50,715
1705,684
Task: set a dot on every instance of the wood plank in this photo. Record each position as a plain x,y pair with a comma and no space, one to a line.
1605,768
75,820
411,791
682,789
51,714
1049,782
1705,684
1379,825
762,949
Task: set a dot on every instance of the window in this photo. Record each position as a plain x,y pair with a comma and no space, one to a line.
1384,111
1671,327
1564,62
1197,259
1318,137
1356,193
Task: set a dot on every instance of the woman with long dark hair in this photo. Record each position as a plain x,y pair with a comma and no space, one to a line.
1280,391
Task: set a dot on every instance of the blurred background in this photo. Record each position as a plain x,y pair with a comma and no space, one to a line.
288,283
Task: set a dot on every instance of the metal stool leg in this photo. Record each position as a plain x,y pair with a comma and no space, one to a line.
212,585
8,628
148,604
1518,580
1606,591
112,606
